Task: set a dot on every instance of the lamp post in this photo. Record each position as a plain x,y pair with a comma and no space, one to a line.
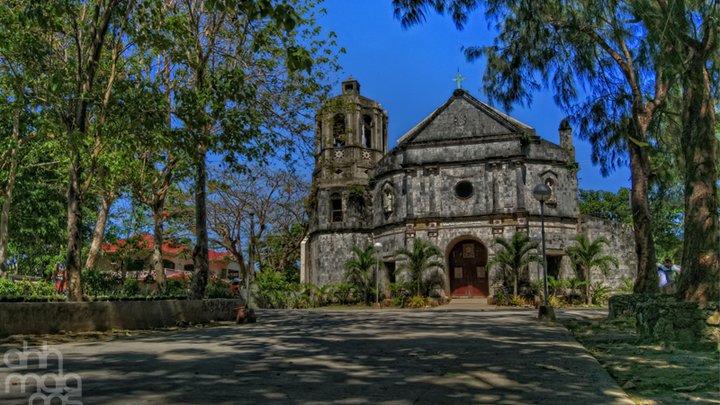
377,246
542,193
537,240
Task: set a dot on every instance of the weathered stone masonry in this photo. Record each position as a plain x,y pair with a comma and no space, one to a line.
464,175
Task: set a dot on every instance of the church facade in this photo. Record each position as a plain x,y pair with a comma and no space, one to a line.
459,179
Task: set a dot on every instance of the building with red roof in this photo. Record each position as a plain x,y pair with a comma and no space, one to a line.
135,255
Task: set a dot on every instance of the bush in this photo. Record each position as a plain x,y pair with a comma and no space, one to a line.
216,289
417,302
599,293
273,290
501,298
516,301
98,282
178,285
553,301
131,287
628,286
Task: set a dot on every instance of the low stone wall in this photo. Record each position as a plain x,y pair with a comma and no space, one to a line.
52,317
662,318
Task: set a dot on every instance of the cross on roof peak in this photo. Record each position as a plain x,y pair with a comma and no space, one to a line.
459,80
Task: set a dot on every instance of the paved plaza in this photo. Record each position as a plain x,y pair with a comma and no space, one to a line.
318,357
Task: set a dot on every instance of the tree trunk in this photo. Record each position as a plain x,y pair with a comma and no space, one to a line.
515,286
201,259
7,194
646,281
99,231
158,265
699,278
73,263
587,287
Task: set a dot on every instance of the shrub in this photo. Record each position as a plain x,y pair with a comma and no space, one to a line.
417,302
628,286
343,292
599,293
179,285
516,301
216,289
97,282
131,287
501,298
273,290
553,301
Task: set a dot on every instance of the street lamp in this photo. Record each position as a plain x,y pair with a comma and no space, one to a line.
542,193
377,246
537,239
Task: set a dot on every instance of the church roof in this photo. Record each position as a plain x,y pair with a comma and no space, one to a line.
463,117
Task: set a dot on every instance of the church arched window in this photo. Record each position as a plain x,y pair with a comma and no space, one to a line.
367,131
339,134
336,212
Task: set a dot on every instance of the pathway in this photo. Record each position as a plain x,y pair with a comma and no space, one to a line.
344,357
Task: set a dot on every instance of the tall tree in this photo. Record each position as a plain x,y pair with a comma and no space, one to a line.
72,39
513,257
562,44
216,48
587,255
419,260
606,204
687,38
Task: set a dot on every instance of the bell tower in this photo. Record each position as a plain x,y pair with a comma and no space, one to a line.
350,138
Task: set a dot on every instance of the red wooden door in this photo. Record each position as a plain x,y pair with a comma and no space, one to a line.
468,275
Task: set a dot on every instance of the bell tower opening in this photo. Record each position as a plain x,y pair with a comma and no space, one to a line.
351,86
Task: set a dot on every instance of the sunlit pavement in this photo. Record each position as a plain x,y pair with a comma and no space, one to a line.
343,357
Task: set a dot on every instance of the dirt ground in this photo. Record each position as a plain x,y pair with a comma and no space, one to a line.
650,374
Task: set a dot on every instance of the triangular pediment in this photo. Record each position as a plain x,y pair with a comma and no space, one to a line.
464,117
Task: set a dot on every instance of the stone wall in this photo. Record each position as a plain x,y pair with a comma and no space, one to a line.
53,317
328,253
622,247
662,318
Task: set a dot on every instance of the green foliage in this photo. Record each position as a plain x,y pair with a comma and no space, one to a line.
98,282
600,293
273,290
180,286
418,261
516,301
512,258
588,255
132,286
417,302
356,192
555,285
216,288
554,301
28,291
358,271
501,298
342,292
607,205
627,287
401,291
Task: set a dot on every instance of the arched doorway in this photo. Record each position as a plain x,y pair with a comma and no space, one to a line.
467,270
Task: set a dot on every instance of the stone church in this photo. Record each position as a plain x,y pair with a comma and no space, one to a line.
459,179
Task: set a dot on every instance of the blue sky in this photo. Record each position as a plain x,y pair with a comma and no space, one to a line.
410,73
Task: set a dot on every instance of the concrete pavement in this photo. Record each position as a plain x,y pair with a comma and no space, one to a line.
392,357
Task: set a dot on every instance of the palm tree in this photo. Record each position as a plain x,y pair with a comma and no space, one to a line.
358,271
587,255
513,257
418,261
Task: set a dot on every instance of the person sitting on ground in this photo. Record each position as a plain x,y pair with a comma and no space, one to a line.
235,288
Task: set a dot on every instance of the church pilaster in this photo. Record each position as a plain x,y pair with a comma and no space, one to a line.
520,186
496,188
432,173
410,181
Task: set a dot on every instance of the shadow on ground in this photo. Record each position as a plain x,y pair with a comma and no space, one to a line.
343,357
